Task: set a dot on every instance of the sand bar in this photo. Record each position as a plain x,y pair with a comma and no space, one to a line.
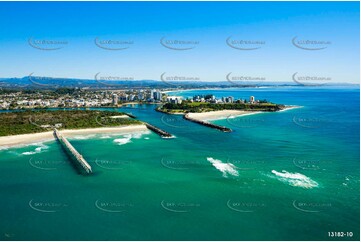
23,139
224,114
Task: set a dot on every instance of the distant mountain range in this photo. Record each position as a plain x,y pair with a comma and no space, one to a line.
34,82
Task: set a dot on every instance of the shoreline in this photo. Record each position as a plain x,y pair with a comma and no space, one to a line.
225,114
26,139
218,115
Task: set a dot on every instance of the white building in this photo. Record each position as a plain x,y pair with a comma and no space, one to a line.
155,94
115,99
174,99
251,99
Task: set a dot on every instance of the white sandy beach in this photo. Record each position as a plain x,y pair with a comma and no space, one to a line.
23,139
223,114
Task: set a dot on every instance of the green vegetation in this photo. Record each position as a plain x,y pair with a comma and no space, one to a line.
197,107
39,121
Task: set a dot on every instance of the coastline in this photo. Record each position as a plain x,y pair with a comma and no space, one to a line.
224,114
25,139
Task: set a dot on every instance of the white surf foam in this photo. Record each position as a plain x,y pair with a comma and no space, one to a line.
29,153
105,137
4,148
123,141
127,138
294,179
37,149
225,168
82,137
137,135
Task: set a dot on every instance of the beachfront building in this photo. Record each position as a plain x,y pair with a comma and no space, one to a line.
152,94
115,99
174,99
251,99
155,95
132,97
124,97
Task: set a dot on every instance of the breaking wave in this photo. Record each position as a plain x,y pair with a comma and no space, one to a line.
36,150
127,138
294,179
225,168
123,141
82,137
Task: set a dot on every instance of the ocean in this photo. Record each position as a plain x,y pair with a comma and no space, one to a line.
289,175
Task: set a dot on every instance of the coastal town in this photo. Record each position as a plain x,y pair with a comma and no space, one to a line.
63,108
80,98
76,98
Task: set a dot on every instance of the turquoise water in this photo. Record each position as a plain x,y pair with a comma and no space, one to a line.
291,175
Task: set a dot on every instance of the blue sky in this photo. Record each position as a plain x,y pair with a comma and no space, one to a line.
209,24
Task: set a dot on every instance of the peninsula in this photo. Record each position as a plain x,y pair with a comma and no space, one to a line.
208,103
202,108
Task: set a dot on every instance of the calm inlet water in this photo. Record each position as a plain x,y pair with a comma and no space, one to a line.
291,175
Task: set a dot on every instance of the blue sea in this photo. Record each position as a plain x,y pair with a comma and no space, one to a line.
289,175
